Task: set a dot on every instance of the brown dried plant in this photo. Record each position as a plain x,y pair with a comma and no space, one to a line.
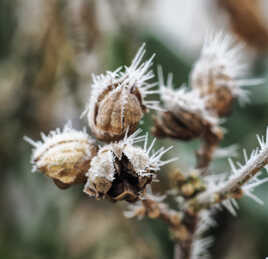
121,170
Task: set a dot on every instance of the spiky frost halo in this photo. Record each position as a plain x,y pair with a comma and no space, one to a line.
222,60
144,161
60,146
134,76
183,99
245,176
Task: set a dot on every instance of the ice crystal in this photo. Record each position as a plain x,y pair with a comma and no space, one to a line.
144,162
221,61
201,244
135,75
183,99
244,176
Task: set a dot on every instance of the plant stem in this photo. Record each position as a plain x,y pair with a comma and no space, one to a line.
205,154
177,252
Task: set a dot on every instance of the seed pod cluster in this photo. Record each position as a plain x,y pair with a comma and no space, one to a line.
64,156
215,83
121,171
118,170
117,100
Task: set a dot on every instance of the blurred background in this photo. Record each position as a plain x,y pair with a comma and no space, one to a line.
48,51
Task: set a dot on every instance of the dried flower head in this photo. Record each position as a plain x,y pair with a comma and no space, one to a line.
64,156
186,116
117,99
121,171
216,74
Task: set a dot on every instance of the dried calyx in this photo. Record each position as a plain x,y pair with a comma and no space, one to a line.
218,72
121,171
186,116
117,100
64,156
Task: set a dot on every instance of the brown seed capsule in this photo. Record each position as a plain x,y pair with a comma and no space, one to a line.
218,74
247,21
121,171
167,124
116,110
214,86
186,117
64,156
117,101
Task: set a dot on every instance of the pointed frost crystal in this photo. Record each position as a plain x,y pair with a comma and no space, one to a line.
218,73
186,116
117,102
121,171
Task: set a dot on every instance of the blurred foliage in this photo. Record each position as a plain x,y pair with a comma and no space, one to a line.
41,86
7,26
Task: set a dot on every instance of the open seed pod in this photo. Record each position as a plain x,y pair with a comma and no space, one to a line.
64,156
121,171
117,99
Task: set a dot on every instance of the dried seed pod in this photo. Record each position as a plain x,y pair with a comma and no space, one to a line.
117,100
216,74
248,21
64,156
186,117
121,171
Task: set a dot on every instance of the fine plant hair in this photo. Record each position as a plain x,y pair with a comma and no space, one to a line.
122,169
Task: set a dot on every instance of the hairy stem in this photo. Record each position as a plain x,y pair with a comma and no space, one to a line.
204,155
233,186
160,210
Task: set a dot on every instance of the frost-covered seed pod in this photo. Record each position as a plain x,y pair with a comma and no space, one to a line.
186,116
64,156
217,73
117,99
121,171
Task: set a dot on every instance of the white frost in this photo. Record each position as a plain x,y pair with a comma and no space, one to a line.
125,78
222,55
143,162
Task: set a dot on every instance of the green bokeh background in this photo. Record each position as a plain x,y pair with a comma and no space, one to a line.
37,220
